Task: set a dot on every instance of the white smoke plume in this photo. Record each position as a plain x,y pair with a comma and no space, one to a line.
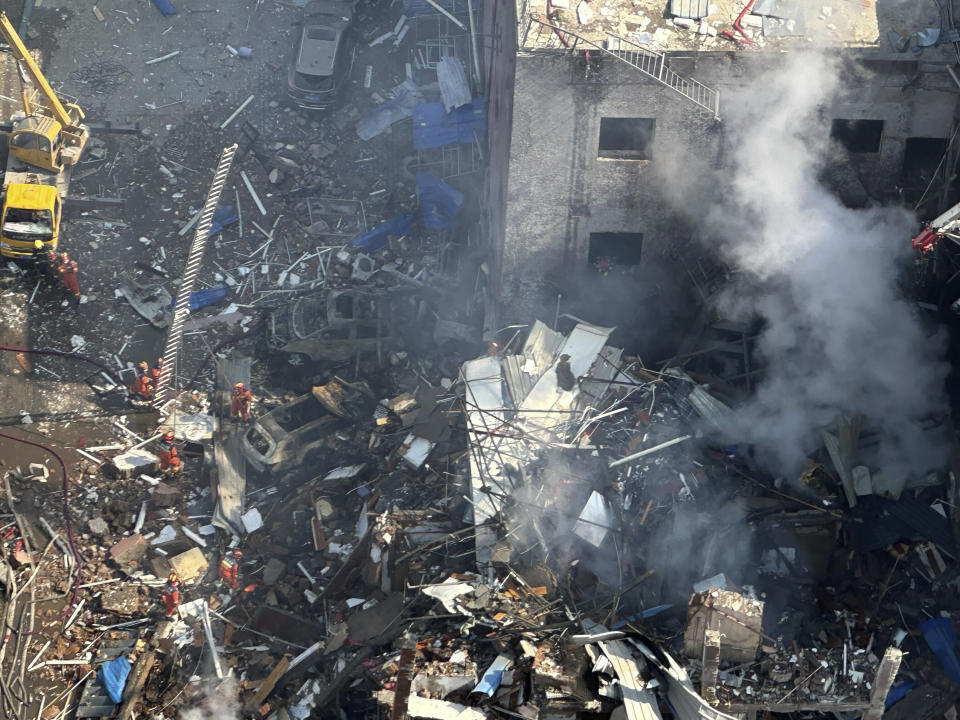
220,701
838,335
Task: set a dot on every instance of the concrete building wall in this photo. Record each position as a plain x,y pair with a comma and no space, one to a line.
559,191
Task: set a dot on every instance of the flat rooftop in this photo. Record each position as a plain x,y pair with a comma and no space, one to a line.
892,28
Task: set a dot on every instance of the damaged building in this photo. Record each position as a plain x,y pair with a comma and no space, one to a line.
574,360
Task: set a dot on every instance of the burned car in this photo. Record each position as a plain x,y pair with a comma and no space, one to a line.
335,325
283,437
322,56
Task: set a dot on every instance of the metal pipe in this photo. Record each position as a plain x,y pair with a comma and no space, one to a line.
650,451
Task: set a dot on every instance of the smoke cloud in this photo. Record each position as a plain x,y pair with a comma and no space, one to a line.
220,701
838,336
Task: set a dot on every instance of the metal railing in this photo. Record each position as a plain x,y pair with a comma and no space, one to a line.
650,62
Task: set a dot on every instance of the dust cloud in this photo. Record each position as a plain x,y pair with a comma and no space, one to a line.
838,335
220,701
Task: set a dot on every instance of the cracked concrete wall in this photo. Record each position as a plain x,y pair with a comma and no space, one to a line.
559,191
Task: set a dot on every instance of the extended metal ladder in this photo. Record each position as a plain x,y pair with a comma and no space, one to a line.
651,63
181,308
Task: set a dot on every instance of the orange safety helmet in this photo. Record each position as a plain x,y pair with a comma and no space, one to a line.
168,436
237,554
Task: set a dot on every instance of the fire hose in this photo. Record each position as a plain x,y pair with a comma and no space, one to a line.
66,515
739,28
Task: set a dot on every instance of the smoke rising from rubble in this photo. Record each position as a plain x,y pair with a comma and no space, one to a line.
823,277
220,701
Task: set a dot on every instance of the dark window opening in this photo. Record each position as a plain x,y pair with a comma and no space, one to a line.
626,138
615,248
921,158
858,136
321,33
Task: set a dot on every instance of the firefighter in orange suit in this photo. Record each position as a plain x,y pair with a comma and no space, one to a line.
67,269
155,372
169,456
171,594
230,568
240,402
142,388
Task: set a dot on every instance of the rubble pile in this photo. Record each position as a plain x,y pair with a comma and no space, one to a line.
402,524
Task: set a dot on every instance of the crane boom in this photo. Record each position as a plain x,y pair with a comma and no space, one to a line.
33,70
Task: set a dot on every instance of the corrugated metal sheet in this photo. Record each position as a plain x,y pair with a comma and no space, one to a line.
695,9
542,346
685,701
519,382
485,414
547,407
924,520
506,430
606,367
639,702
715,413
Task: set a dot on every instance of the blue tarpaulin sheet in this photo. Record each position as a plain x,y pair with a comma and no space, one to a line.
433,127
439,202
940,636
165,6
113,676
377,238
222,218
202,298
898,692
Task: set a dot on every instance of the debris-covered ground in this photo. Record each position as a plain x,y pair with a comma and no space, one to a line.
417,519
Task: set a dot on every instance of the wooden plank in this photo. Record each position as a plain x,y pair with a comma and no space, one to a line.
135,683
266,687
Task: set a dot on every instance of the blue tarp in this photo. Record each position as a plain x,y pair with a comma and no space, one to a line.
898,692
377,238
433,127
113,676
439,202
165,6
222,218
202,298
940,636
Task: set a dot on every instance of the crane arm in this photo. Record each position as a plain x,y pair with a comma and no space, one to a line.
33,70
946,223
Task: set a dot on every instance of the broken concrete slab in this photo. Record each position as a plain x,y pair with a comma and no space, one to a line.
190,565
134,462
738,618
130,549
377,620
165,495
273,571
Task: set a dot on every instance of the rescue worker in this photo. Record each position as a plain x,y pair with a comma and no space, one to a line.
156,370
142,388
67,269
240,403
171,594
230,568
565,377
169,455
43,258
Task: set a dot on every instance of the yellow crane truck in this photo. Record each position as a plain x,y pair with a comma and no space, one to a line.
46,140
